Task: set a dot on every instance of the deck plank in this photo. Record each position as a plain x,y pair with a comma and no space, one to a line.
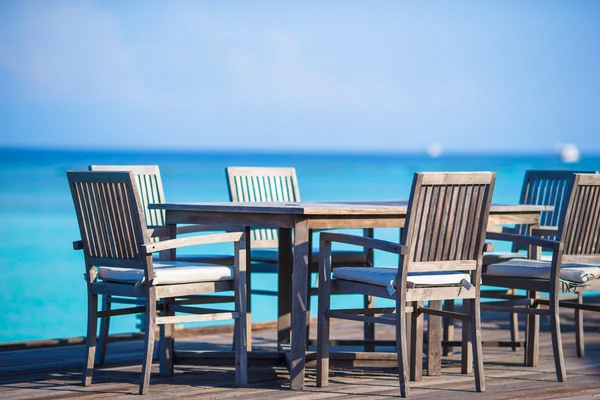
54,372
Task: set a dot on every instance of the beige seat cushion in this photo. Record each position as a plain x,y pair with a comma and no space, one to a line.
170,273
579,273
386,277
338,256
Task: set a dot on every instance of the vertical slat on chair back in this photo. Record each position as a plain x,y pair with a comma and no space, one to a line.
262,184
447,218
110,217
150,188
546,188
580,222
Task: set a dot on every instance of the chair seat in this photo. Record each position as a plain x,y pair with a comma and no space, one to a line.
337,256
170,273
494,258
386,277
538,269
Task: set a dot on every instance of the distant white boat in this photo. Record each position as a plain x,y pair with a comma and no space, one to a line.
569,153
434,150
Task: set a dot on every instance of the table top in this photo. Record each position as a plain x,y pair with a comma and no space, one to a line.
371,207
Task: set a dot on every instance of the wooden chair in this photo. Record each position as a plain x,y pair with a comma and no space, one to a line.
118,258
574,266
441,252
265,184
540,187
149,184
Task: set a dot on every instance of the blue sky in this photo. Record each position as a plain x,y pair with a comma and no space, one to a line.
301,75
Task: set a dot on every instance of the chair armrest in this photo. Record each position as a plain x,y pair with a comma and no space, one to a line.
191,241
510,229
362,241
207,228
158,231
77,245
488,247
163,231
525,240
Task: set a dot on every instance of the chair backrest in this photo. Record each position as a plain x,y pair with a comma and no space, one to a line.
546,188
579,226
150,188
446,221
110,217
260,184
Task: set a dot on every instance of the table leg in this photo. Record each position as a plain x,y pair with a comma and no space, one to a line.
248,290
434,340
299,308
284,283
167,331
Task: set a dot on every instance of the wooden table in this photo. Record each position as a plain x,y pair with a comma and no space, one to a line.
294,249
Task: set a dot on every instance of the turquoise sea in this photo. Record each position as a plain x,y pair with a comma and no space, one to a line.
42,291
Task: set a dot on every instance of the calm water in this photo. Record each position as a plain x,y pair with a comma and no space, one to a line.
42,290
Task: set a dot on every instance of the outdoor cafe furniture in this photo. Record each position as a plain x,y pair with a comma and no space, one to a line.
150,188
117,250
540,187
441,252
574,267
294,249
273,184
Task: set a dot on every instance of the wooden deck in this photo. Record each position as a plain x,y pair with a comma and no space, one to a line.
54,372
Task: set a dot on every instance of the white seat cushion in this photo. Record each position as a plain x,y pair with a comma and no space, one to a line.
170,273
338,256
579,273
386,277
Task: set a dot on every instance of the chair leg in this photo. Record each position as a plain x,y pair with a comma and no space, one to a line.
467,350
416,343
448,328
323,332
476,344
90,341
514,330
579,338
369,327
241,347
559,361
401,349
514,325
533,336
104,327
149,340
167,341
308,301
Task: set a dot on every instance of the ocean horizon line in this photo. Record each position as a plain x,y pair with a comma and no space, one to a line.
284,151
